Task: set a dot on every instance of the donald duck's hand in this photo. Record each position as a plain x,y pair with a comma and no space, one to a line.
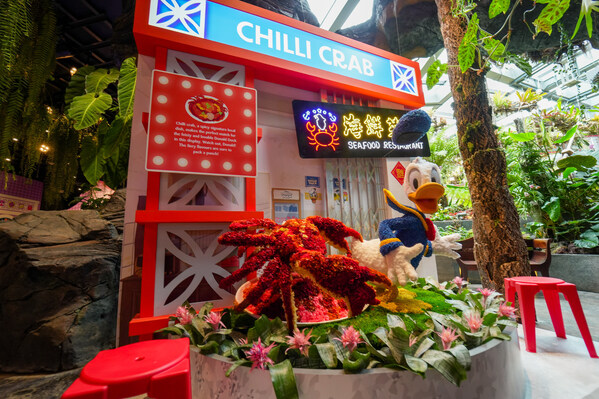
399,268
447,245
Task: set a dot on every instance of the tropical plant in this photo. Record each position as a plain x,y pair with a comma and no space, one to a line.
560,193
445,153
27,45
455,228
376,338
105,122
61,161
470,51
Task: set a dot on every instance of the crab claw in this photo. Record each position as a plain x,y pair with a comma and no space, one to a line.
252,224
239,238
335,232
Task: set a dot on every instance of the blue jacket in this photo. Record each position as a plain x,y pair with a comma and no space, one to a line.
408,230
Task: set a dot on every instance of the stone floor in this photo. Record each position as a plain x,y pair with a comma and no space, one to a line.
590,306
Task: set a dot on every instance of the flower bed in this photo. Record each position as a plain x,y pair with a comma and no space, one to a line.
496,373
441,338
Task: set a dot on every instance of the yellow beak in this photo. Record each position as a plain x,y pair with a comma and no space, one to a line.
426,197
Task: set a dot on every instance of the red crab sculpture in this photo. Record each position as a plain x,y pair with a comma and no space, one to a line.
294,251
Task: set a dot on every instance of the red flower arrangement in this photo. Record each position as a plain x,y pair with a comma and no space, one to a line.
294,262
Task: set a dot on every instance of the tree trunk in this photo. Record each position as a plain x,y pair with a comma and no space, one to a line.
499,249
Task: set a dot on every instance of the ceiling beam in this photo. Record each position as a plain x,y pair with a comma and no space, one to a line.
343,15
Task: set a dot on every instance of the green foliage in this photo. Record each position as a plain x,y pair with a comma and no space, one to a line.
467,49
498,7
495,49
453,229
458,195
398,341
62,163
27,45
489,47
434,73
105,141
445,152
98,80
561,194
87,109
585,11
76,86
520,62
550,15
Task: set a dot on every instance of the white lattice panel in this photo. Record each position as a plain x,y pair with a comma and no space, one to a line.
201,193
205,68
190,265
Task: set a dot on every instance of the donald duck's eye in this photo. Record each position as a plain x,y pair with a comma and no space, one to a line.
436,175
413,177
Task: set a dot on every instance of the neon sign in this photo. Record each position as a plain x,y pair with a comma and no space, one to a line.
348,131
323,132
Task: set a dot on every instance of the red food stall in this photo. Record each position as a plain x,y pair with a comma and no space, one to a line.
239,113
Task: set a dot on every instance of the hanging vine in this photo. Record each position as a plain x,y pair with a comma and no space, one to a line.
62,163
27,47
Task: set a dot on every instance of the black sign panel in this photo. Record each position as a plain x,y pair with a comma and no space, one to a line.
348,131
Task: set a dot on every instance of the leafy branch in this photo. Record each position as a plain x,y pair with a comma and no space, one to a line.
104,120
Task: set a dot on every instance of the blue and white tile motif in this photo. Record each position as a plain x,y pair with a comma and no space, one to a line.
186,16
404,78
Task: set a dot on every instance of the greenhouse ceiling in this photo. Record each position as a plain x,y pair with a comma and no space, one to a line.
569,81
87,37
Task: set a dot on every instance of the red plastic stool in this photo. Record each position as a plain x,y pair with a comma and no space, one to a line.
527,287
159,368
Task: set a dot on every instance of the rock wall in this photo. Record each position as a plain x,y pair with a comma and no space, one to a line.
59,273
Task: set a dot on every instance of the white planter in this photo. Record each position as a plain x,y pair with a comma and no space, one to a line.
496,373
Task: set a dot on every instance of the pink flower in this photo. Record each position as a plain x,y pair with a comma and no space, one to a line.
458,281
213,318
485,293
506,310
242,341
447,335
184,315
300,340
350,338
474,321
258,355
412,340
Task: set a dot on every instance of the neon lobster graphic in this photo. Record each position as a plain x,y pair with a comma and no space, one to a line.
322,133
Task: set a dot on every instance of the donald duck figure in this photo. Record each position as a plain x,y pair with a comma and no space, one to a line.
404,240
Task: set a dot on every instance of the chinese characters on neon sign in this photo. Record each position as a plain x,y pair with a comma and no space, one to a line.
347,131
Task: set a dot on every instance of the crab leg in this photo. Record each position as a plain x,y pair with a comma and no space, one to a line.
250,265
252,224
266,281
241,238
335,232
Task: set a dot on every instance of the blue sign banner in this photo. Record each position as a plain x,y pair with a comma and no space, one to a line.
222,24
